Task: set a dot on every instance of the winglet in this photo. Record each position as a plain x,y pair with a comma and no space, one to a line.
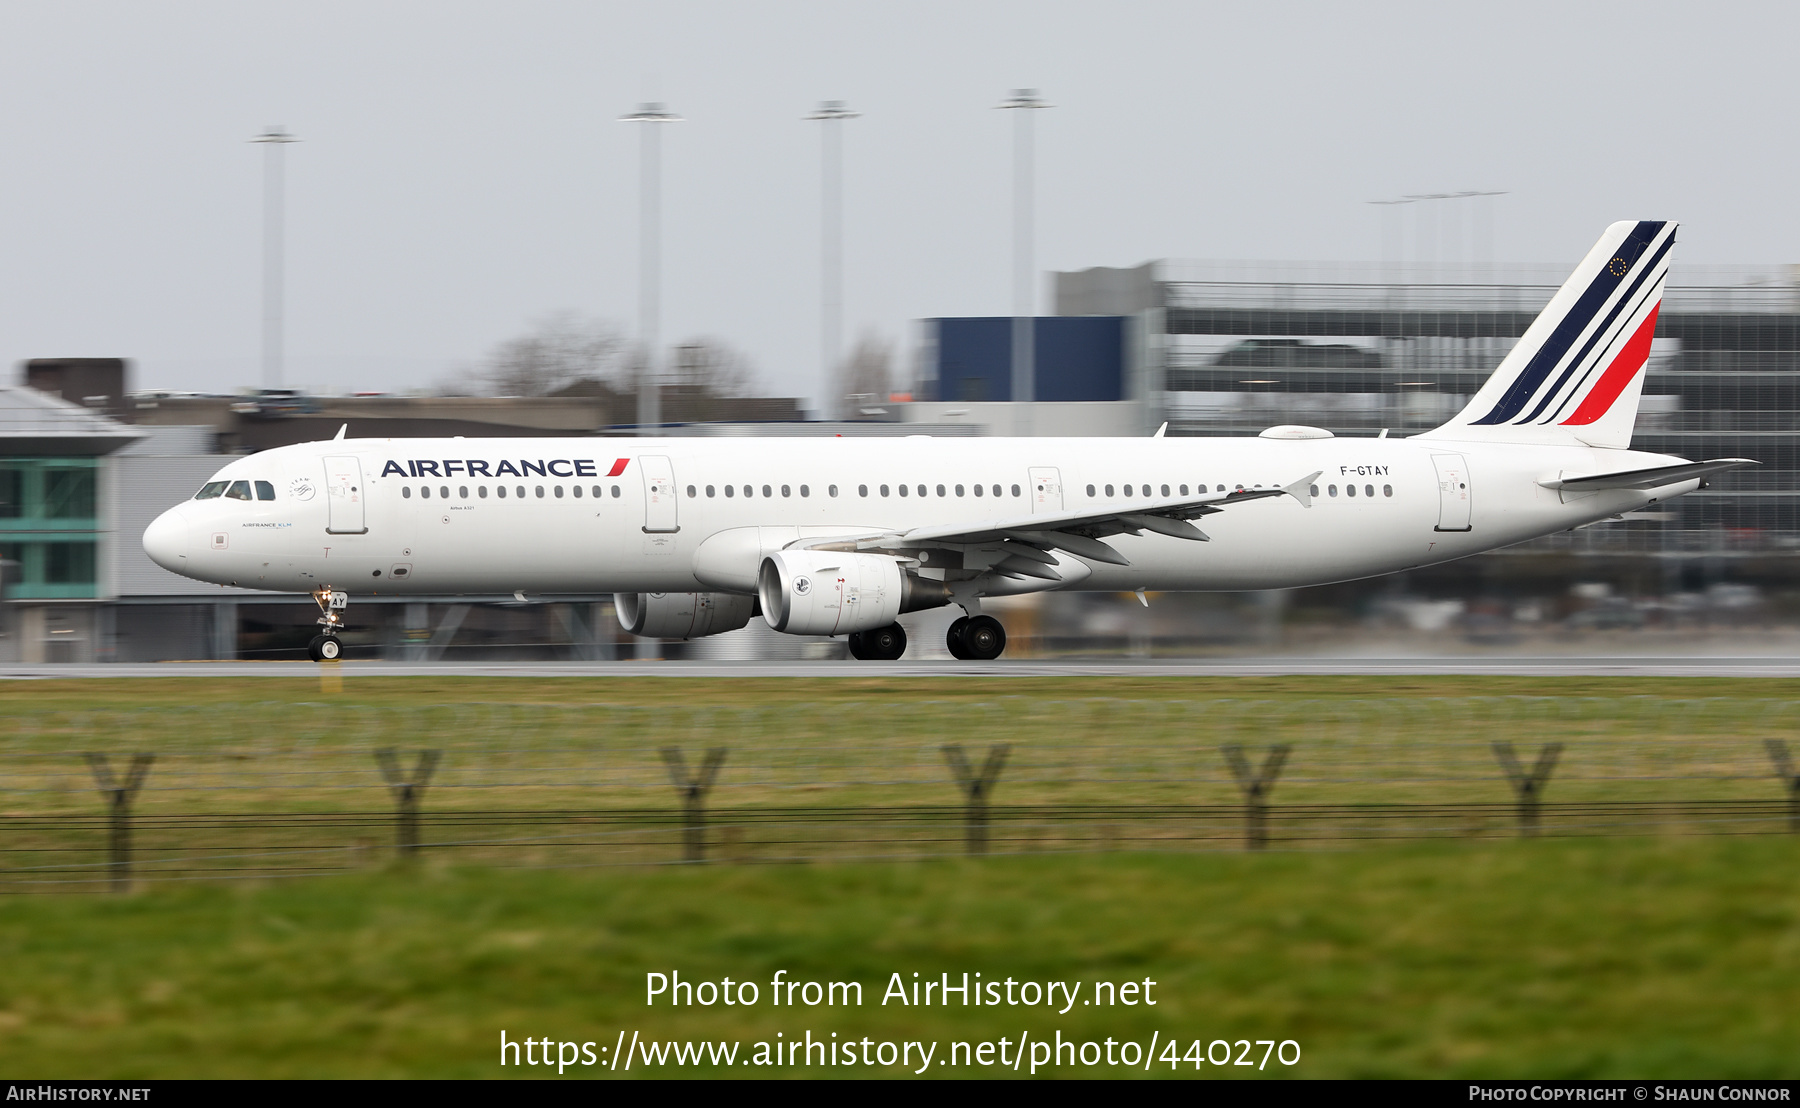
339,437
1301,490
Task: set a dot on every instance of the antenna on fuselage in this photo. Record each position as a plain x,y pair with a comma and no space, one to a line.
339,437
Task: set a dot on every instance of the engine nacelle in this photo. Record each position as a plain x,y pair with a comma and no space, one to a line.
682,615
822,592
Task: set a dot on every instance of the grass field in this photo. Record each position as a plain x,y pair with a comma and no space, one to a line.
1671,955
1623,958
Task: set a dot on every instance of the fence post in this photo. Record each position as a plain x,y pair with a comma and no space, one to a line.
693,789
118,796
407,792
1784,769
1529,786
1256,786
977,787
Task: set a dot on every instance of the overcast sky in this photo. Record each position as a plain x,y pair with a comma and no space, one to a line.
462,173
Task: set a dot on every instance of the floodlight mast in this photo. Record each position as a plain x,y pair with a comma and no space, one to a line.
832,114
273,139
650,259
1024,354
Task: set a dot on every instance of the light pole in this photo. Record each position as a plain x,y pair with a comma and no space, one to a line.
1024,355
650,258
273,139
831,113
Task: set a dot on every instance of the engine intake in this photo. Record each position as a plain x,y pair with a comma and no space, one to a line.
822,592
682,615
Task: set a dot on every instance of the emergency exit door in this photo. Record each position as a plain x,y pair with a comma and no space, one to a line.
659,496
1046,490
344,496
1453,491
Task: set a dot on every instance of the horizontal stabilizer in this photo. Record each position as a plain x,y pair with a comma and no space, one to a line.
1653,478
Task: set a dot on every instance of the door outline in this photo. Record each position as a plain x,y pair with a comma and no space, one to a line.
344,496
1454,494
660,506
1049,497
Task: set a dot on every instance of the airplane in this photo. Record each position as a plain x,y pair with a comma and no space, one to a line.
835,536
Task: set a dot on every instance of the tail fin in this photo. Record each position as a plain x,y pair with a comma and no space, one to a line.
1576,375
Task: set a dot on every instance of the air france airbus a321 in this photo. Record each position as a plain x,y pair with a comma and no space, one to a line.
838,536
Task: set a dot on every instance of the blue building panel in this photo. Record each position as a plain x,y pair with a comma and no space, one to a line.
1078,358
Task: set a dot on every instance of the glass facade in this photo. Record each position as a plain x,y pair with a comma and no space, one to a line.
1355,350
49,528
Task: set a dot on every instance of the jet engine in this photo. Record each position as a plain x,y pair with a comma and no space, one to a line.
822,592
682,615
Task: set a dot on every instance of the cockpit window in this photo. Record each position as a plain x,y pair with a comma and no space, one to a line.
265,491
210,490
239,490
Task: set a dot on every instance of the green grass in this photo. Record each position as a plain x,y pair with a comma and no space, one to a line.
1591,958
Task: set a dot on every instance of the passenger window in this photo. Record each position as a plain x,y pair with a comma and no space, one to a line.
598,492
1349,490
997,490
1313,490
749,491
481,491
709,491
520,490
730,490
1015,488
1332,489
406,491
265,491
692,492
558,491
940,491
500,491
575,491
1387,490
463,491
922,491
1146,490
1184,490
805,491
617,492
424,492
239,490
767,491
902,490
1109,490
1222,489
444,491
830,490
1368,490
540,492
210,490
862,490
784,491
1127,490
977,490
1165,490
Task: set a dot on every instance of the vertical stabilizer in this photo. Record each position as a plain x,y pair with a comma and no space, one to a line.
1576,375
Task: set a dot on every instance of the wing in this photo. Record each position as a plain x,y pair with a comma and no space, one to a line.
1652,478
1023,541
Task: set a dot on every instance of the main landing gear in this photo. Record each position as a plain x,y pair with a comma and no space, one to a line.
976,638
326,646
884,644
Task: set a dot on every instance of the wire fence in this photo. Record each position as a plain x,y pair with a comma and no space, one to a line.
101,798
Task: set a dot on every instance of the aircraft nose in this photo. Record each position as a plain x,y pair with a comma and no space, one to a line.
166,540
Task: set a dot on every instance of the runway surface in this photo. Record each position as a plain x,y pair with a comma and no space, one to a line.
1299,666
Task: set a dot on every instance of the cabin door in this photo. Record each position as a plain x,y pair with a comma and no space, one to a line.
659,496
1453,491
344,496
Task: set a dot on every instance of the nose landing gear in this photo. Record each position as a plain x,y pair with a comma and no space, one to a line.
326,646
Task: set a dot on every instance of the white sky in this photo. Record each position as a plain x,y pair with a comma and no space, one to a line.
462,173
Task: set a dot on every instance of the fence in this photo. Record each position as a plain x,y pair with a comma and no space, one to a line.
283,789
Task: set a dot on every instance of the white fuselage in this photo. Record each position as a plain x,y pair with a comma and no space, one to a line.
597,515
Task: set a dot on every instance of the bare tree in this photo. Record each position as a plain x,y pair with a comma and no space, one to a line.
709,367
562,350
866,376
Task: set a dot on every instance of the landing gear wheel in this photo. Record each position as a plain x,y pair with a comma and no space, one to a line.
954,639
983,639
325,648
856,646
884,644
